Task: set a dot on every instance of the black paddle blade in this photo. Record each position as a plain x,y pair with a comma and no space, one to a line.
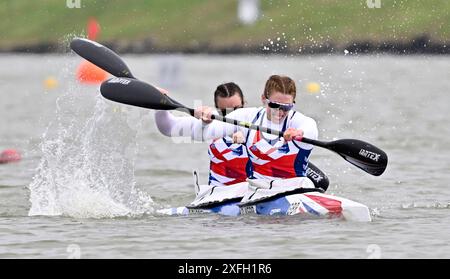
101,56
137,93
318,177
364,155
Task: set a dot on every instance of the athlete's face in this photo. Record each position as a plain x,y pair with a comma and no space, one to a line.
278,106
228,104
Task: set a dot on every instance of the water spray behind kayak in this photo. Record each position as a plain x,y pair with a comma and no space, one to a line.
87,165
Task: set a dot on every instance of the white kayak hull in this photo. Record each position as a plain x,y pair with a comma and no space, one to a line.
312,204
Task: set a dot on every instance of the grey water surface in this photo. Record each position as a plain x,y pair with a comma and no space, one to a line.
94,173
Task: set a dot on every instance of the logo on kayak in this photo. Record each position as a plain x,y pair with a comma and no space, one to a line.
119,80
198,211
311,174
275,211
294,208
369,154
248,209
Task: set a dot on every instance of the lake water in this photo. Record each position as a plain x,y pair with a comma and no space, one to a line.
94,172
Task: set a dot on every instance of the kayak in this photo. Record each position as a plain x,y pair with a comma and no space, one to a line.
309,205
248,198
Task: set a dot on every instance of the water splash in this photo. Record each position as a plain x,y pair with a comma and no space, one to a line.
375,212
87,165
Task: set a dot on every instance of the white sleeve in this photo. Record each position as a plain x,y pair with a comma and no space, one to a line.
164,121
309,127
183,127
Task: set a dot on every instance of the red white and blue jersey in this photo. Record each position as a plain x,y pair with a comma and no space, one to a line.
276,158
229,162
271,157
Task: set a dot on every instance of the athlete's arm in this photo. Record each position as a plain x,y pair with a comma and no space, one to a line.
307,125
174,126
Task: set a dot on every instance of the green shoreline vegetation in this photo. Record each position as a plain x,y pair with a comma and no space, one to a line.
178,24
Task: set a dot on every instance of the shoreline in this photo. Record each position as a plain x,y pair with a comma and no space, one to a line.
417,46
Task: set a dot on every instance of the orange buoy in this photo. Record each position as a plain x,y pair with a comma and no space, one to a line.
9,155
91,74
88,72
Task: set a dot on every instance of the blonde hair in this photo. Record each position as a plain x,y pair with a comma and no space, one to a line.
281,84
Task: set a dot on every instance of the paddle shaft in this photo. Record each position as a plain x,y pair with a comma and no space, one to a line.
247,125
258,128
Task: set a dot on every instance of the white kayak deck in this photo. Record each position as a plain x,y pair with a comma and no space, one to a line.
289,197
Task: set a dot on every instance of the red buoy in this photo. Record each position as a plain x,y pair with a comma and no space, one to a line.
93,29
9,155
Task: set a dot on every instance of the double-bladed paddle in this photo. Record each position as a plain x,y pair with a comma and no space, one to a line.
127,90
134,92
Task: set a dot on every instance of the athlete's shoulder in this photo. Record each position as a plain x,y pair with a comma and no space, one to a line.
307,124
303,119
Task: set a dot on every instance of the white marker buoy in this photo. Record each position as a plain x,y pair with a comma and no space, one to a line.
248,11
